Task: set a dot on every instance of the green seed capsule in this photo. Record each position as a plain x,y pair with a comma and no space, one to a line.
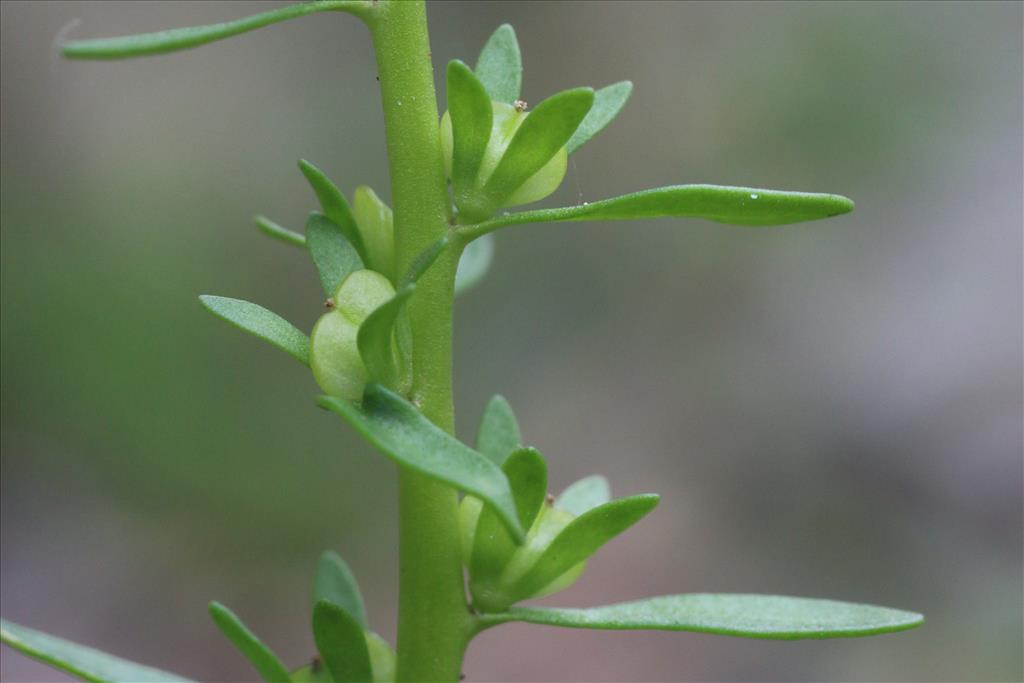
334,354
505,122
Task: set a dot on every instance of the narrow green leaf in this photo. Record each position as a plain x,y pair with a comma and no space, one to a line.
184,38
402,433
333,255
581,539
260,322
608,102
470,109
335,584
278,232
528,476
545,131
500,66
80,661
422,263
749,616
335,206
498,434
474,263
586,494
259,655
341,642
722,204
374,338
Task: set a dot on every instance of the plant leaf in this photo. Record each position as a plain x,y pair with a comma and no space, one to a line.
375,222
528,476
184,38
498,434
335,206
278,232
260,322
545,131
581,539
470,109
586,494
474,264
500,66
749,616
335,584
341,642
374,339
422,263
608,102
80,661
333,255
719,203
259,655
399,431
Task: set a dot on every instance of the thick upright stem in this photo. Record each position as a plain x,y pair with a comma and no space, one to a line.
433,619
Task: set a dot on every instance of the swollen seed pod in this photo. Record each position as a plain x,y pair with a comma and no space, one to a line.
506,121
334,353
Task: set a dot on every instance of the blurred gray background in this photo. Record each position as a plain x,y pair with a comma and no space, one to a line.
831,409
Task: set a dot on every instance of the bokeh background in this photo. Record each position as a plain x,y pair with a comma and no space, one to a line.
828,409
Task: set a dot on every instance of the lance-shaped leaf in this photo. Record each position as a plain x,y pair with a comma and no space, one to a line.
500,66
584,495
184,38
474,263
422,263
260,322
498,434
341,642
332,253
259,655
545,131
279,232
579,540
470,110
375,340
402,433
722,204
334,205
528,476
335,584
608,102
749,616
80,661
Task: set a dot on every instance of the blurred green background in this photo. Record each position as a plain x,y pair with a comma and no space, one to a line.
829,409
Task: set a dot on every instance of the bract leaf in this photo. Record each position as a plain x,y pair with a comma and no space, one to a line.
719,203
579,540
586,494
259,655
471,114
528,476
474,263
545,131
184,38
500,66
422,263
80,661
376,222
498,434
335,206
749,616
375,340
332,253
335,584
402,433
608,102
341,642
260,322
278,232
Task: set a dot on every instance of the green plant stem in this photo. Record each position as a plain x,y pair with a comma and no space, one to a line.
433,618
